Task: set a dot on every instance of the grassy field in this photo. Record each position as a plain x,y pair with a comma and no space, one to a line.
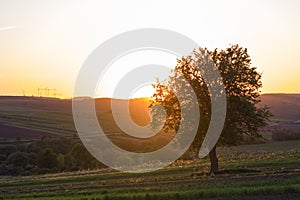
20,117
269,171
263,171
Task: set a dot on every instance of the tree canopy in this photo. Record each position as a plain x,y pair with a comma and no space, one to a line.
242,85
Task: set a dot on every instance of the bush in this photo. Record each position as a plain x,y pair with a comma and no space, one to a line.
17,159
7,149
4,169
2,158
47,159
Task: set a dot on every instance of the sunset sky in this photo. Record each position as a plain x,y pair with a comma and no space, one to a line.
44,43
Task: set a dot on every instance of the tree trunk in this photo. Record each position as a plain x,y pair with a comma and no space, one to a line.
214,163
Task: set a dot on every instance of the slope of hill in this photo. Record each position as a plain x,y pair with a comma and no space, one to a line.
285,107
32,117
286,110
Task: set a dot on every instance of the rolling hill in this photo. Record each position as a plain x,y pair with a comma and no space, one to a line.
33,117
286,110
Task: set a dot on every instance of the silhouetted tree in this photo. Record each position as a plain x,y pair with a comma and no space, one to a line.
242,84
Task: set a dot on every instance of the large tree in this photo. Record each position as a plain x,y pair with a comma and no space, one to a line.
242,83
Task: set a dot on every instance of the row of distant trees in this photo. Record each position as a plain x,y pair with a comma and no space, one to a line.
46,156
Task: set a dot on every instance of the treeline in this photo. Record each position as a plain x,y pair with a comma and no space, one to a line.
48,155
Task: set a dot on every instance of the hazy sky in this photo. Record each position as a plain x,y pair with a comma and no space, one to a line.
44,43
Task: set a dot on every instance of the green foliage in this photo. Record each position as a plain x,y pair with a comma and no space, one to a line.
17,159
2,158
82,157
61,161
47,159
39,158
58,145
7,149
242,83
69,162
32,158
241,178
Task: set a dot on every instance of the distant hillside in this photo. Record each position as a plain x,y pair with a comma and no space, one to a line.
285,108
33,117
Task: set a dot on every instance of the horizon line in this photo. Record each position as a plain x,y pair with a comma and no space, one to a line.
88,97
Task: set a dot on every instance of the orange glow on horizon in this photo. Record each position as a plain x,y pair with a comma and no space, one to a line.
45,44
